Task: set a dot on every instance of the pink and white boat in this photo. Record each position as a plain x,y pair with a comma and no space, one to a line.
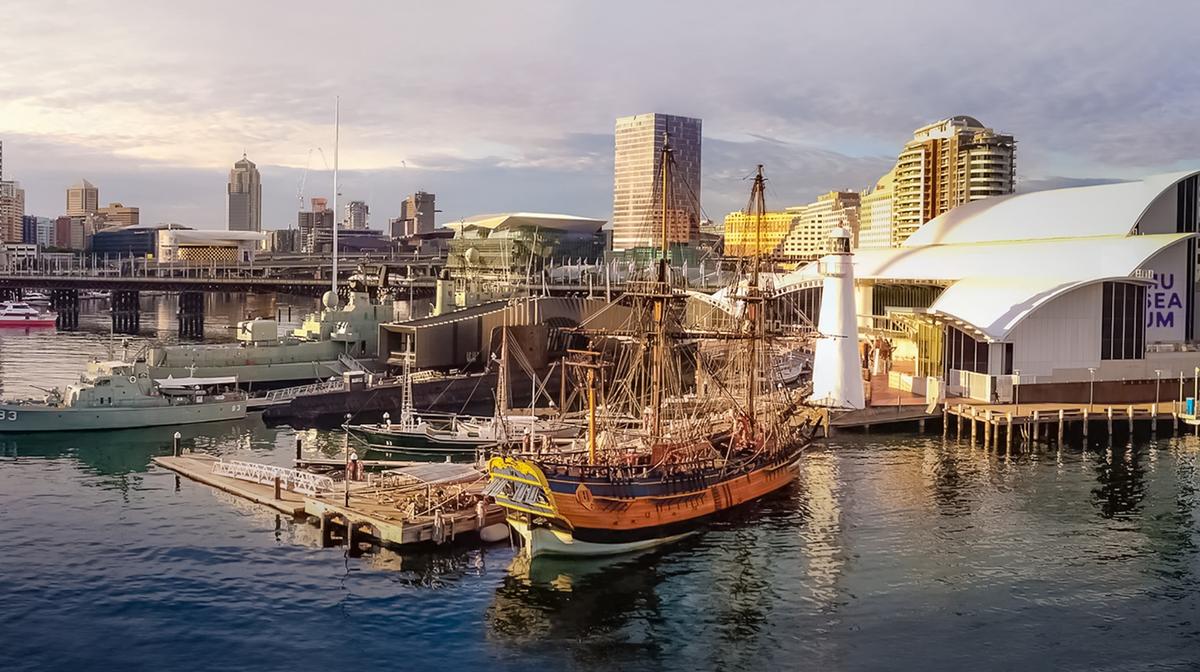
20,314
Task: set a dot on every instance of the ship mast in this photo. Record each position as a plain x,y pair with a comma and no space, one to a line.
758,204
337,105
657,364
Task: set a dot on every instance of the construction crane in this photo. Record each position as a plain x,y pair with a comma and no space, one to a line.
304,175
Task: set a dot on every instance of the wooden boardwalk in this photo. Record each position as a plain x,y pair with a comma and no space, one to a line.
198,467
1035,422
373,514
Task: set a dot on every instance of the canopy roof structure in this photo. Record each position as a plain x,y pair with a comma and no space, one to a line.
1095,210
1002,258
516,220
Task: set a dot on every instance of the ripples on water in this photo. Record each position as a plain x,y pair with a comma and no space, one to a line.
895,552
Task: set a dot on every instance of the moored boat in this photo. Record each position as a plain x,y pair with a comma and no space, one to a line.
716,427
112,395
21,314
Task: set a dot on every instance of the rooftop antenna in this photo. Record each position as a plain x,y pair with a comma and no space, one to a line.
337,104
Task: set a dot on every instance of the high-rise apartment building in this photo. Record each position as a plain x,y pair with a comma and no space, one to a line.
356,216
947,163
83,198
637,167
244,197
809,236
745,232
416,216
12,209
316,228
875,229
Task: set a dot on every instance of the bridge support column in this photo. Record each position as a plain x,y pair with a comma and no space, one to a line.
126,313
65,302
191,315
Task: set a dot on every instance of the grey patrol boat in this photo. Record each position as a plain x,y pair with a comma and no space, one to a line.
112,395
325,345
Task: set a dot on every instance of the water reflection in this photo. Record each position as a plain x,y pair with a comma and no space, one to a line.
585,604
1120,479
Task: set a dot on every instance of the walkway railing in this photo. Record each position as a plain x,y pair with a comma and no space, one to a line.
288,393
293,480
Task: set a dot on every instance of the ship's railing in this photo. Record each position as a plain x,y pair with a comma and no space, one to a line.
287,393
350,363
289,479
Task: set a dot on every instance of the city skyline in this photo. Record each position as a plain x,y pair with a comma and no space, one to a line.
166,145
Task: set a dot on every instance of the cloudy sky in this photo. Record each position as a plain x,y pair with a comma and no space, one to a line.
498,106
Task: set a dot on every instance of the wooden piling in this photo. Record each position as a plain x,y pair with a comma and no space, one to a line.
921,426
973,413
277,488
1129,410
1037,426
1061,414
945,422
958,418
299,445
1109,413
987,429
1008,440
1086,417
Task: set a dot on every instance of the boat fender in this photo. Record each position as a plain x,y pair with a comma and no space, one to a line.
439,527
493,533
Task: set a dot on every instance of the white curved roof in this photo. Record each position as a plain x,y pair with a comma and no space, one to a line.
1097,210
511,220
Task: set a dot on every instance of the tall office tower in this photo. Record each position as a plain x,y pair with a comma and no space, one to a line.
947,163
356,215
875,228
809,237
117,214
316,228
244,196
82,199
12,210
637,167
416,216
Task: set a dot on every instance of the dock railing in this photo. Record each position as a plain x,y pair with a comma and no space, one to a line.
289,393
294,480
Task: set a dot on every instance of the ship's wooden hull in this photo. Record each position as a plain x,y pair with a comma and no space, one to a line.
574,514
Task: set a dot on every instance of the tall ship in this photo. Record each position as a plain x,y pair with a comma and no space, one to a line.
114,395
684,422
326,344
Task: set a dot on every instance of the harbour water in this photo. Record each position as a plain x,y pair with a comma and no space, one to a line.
891,551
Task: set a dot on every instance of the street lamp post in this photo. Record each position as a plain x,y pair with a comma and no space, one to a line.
1017,390
1157,384
1091,387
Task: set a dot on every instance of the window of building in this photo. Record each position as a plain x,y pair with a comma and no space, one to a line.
1123,321
964,353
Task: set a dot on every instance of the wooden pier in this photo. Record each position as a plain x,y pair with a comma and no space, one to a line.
990,424
368,518
199,468
380,514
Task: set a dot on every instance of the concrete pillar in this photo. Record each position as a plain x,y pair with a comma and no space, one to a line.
191,315
65,303
864,302
126,312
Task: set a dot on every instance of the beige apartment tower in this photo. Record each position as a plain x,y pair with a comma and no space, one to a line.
809,236
244,197
83,198
637,210
947,163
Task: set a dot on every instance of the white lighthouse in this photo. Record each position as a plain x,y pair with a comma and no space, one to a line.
837,377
